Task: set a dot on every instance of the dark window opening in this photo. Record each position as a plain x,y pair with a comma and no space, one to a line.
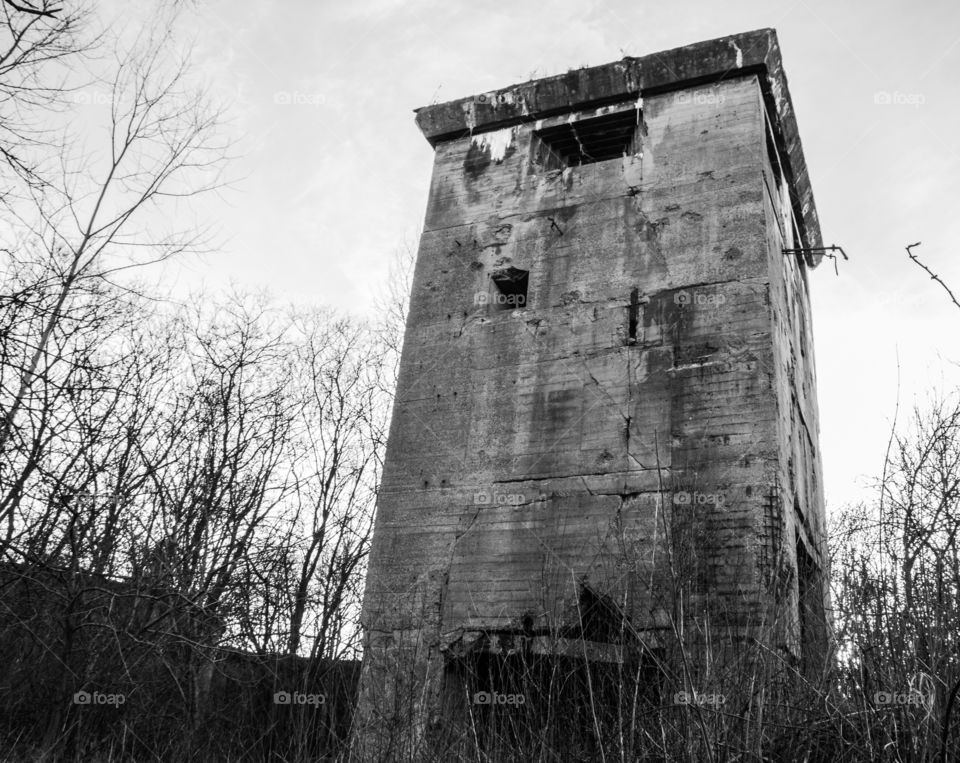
511,701
634,315
811,615
585,141
511,291
597,618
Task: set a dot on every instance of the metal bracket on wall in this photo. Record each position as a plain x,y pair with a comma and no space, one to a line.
810,250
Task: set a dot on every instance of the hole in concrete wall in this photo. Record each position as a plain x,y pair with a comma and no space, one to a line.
810,611
511,288
586,141
633,316
507,700
599,619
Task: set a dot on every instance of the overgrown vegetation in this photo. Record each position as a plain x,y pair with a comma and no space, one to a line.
186,496
887,690
185,490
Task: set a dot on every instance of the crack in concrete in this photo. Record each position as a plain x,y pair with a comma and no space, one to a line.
581,475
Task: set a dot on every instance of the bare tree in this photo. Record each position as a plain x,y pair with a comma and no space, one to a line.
897,581
339,371
34,38
84,226
392,306
178,487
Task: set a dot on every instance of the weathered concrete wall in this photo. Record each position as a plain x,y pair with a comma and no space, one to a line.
539,450
796,513
756,52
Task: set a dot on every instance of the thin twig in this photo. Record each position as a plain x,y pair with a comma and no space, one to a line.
51,13
932,275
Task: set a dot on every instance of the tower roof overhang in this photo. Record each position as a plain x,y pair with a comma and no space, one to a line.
703,63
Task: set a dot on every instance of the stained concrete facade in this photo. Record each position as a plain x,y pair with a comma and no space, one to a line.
603,352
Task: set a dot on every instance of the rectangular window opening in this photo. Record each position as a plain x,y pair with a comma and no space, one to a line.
507,699
585,141
634,316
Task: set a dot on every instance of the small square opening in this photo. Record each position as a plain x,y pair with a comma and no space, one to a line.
511,288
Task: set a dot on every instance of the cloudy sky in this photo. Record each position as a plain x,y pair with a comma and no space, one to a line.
332,173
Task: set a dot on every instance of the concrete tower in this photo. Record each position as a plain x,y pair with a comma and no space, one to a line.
605,435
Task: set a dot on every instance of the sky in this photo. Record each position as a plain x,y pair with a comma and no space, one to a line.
331,173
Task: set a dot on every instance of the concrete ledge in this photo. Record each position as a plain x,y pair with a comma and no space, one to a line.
756,52
509,644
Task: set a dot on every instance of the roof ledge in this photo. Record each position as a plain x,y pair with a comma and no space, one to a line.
756,52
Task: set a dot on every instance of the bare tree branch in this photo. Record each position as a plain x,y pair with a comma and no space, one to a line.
49,12
932,275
